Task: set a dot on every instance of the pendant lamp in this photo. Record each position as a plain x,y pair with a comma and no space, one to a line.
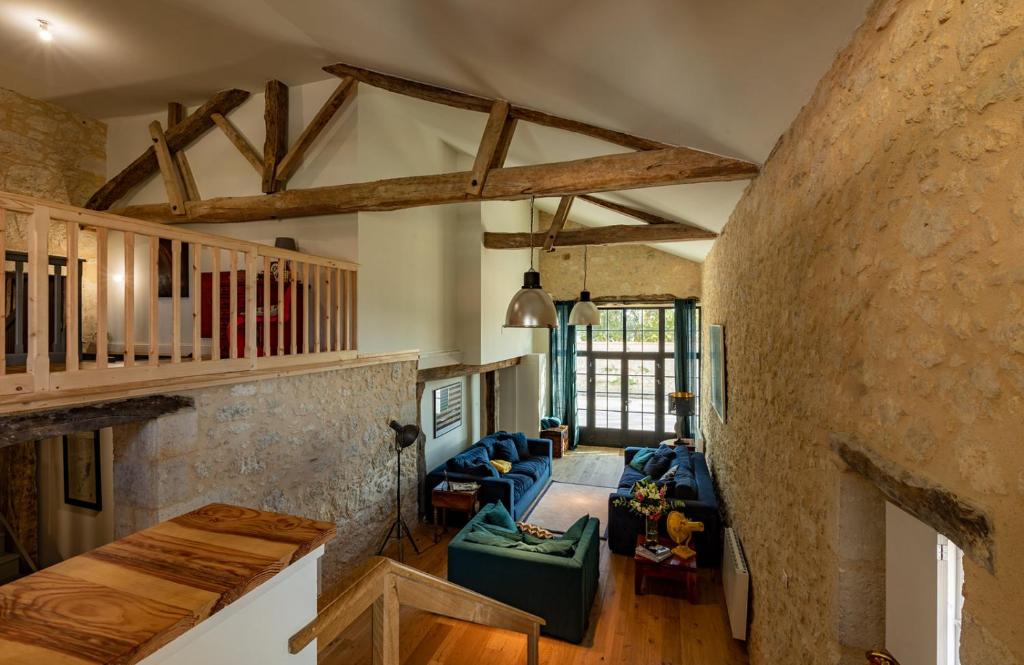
584,312
531,306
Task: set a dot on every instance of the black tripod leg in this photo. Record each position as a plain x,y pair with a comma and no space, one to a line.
386,538
409,533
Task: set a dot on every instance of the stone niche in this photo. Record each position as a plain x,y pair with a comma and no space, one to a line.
316,445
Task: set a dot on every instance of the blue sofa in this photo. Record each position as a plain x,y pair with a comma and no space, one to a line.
558,589
517,489
692,484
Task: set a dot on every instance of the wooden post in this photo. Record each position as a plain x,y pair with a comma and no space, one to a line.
305,308
489,145
168,169
175,301
3,292
233,304
71,301
175,113
38,359
294,297
533,646
129,299
154,301
281,309
348,310
339,343
328,280
385,626
266,306
197,302
354,334
316,308
101,297
275,144
215,304
251,350
557,222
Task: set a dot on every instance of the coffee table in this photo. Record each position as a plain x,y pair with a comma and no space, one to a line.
674,569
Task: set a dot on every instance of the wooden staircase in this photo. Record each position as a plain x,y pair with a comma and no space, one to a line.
385,585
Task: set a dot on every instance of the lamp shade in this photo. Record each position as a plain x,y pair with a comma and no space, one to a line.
584,312
531,306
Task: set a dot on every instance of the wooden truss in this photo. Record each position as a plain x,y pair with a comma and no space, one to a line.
654,163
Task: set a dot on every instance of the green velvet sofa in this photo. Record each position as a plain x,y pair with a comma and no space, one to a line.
558,589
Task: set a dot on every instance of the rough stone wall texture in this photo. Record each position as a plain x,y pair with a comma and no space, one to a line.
316,445
871,281
19,497
617,271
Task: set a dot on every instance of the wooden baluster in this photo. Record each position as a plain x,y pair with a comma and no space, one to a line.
175,301
328,280
293,282
305,308
316,308
280,306
215,303
339,344
385,626
266,306
197,302
347,309
129,299
37,361
71,301
154,302
354,306
233,305
3,292
251,350
101,297
19,297
57,305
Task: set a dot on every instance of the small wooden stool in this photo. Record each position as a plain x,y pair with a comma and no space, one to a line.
446,499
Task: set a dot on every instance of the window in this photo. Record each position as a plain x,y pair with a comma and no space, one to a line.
950,601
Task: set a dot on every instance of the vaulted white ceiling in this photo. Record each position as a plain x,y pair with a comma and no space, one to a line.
725,76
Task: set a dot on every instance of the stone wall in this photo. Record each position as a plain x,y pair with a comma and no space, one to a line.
618,272
871,282
316,445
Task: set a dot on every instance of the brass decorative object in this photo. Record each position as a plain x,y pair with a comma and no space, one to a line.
881,658
681,531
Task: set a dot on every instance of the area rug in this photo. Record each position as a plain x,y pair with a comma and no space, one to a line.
564,503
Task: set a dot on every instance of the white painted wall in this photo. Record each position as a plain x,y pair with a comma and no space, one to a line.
65,530
911,588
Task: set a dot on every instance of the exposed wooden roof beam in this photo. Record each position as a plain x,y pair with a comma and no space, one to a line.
175,113
238,140
490,143
602,235
630,170
557,222
465,100
168,166
629,211
275,143
455,371
345,91
504,141
178,137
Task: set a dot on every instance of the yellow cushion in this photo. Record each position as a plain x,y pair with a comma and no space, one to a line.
501,465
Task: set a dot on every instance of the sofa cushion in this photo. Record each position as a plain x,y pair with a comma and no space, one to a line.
629,477
485,537
505,450
487,443
684,484
656,465
575,532
520,483
498,516
534,467
474,461
555,547
519,439
641,457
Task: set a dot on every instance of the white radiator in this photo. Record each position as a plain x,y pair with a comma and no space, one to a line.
736,580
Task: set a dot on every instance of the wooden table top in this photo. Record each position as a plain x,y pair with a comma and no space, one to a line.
123,601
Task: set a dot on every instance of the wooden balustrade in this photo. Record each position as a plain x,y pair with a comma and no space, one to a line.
268,324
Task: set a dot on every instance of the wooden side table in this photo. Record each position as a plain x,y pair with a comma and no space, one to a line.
446,499
559,438
681,571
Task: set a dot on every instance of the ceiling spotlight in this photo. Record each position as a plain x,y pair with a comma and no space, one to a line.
44,30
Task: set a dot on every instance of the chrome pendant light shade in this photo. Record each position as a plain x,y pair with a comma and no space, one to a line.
584,312
531,306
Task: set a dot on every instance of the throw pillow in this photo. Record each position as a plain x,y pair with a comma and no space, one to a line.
656,466
555,547
498,531
501,465
483,537
669,476
534,530
505,449
498,516
522,447
575,532
550,422
473,461
640,458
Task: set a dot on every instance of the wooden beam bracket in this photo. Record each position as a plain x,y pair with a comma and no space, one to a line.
275,116
345,91
490,142
557,222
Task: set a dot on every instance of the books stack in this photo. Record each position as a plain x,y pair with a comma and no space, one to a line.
655,552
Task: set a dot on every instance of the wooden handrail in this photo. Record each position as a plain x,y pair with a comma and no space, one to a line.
385,584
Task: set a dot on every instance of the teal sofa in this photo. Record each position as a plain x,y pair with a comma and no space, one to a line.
558,589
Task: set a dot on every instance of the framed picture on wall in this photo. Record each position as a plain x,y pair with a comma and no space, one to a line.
82,480
716,355
447,408
163,269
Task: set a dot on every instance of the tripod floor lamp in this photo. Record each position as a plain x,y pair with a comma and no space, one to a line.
405,436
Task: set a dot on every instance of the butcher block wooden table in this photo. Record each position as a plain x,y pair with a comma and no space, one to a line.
124,601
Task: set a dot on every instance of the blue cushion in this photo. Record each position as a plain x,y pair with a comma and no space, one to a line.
499,517
685,484
641,458
520,440
487,443
474,461
505,449
520,483
534,467
550,422
657,465
629,477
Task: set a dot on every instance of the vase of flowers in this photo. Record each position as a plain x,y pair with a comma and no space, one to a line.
648,501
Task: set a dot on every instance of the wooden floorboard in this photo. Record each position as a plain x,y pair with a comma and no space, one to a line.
625,629
589,465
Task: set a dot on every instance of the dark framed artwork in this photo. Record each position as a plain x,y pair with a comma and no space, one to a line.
447,408
82,480
716,355
163,269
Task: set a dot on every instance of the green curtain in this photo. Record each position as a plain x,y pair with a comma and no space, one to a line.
686,355
562,372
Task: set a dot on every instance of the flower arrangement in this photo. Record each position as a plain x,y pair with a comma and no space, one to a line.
647,500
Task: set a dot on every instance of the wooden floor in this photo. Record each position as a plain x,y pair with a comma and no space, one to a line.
625,629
